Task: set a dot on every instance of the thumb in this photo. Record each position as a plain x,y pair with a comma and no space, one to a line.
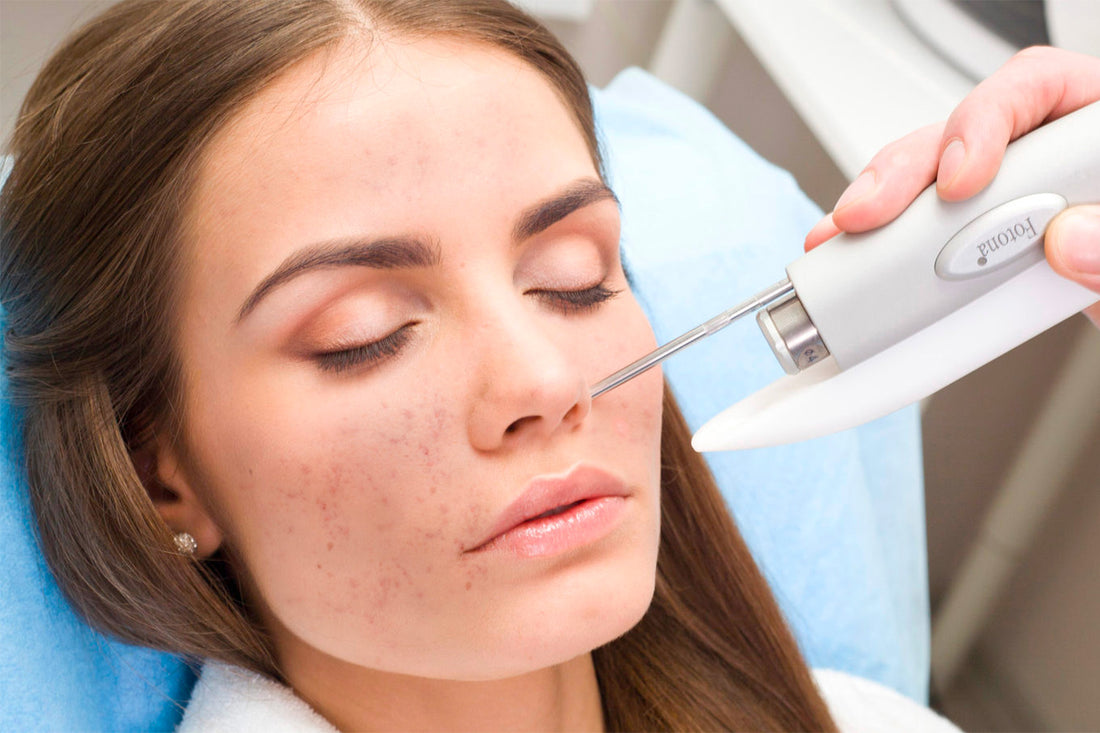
1073,248
1073,245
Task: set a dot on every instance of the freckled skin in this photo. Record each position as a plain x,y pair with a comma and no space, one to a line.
351,498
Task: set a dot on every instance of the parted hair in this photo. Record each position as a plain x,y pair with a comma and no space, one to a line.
106,148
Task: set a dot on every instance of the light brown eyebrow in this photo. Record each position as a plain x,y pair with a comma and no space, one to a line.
548,212
387,253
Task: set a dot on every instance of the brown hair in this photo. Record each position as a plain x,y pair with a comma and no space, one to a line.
106,146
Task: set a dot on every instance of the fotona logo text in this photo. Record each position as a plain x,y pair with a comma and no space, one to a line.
1021,230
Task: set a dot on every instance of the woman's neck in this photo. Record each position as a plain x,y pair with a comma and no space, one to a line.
563,697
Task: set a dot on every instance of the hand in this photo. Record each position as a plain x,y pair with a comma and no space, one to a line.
963,154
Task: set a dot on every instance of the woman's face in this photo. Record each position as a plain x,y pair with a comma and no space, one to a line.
403,277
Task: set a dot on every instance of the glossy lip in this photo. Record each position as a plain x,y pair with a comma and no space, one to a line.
598,497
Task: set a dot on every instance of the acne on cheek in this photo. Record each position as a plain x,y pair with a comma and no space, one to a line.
390,480
373,591
474,573
395,481
368,596
308,490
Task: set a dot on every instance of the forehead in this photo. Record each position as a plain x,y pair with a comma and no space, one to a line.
389,119
401,137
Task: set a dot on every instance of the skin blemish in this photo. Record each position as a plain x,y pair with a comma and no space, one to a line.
622,428
294,493
439,422
469,585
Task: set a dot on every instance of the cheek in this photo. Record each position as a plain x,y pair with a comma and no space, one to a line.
625,334
637,409
632,412
617,344
354,494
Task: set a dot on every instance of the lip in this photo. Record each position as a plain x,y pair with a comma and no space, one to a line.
587,503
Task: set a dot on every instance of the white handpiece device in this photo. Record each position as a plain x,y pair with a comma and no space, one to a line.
909,308
869,323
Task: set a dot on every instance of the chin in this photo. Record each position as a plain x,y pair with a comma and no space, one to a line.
574,623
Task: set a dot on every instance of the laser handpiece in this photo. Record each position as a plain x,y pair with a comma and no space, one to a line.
875,321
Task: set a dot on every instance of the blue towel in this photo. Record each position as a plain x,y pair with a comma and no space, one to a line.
836,524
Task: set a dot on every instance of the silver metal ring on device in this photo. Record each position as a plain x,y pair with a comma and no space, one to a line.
792,335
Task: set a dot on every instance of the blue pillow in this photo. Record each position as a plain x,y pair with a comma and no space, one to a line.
836,524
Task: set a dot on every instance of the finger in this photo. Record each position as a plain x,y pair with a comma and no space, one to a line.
822,231
1035,86
890,181
1072,245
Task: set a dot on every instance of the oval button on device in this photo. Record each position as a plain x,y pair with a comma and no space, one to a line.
999,236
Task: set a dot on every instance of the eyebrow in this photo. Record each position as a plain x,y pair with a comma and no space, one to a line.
392,253
549,211
388,253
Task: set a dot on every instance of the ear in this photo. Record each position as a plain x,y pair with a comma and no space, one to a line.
161,472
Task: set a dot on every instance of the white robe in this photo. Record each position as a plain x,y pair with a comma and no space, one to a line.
235,700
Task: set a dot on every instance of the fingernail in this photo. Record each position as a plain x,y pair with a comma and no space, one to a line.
951,162
862,186
822,230
1076,237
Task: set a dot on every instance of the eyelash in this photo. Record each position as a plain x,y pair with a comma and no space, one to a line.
568,302
375,351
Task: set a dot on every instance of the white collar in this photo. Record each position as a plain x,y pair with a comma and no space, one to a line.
232,699
235,700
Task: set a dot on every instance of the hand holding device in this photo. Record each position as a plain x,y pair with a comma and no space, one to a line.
962,155
874,321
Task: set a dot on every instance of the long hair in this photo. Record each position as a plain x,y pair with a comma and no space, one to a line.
106,146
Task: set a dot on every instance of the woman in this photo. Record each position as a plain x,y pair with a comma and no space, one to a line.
304,300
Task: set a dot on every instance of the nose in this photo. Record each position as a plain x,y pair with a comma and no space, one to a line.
529,385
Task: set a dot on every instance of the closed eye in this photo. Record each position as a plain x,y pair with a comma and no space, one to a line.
366,354
571,302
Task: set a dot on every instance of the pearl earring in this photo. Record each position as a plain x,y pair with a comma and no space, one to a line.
185,543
